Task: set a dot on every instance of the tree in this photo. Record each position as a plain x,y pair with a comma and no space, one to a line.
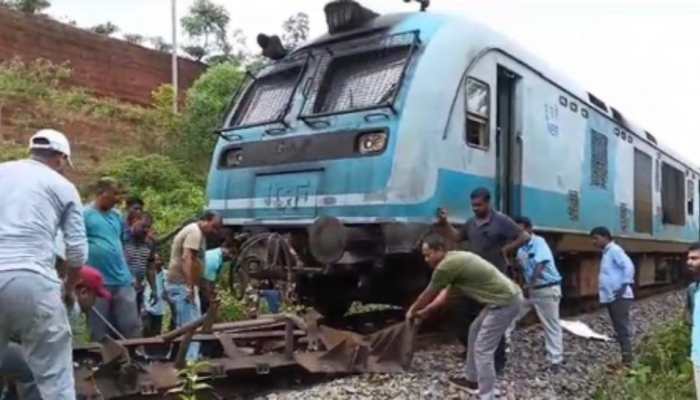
206,26
158,43
207,103
196,52
296,30
27,6
237,53
134,38
106,29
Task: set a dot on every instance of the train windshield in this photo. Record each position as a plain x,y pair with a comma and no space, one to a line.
348,76
267,98
361,80
360,74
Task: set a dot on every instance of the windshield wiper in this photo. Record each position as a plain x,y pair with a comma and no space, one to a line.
388,94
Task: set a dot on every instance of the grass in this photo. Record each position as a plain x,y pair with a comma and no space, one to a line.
11,151
664,370
43,81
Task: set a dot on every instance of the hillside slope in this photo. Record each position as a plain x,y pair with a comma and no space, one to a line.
35,96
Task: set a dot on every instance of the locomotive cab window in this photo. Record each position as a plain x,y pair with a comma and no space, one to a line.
478,111
673,198
267,98
362,80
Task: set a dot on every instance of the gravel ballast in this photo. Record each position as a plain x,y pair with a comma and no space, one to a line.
525,376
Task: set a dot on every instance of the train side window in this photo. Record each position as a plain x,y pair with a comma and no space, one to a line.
691,197
599,159
478,112
673,195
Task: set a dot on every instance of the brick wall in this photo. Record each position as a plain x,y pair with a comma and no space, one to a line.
109,67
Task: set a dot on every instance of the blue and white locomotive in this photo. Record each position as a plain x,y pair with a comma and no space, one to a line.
349,144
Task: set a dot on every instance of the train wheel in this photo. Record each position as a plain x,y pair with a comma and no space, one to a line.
331,295
332,308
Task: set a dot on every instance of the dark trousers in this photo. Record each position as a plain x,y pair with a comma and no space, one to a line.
14,369
152,325
139,301
619,311
462,312
207,290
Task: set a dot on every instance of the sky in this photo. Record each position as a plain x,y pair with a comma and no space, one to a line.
640,56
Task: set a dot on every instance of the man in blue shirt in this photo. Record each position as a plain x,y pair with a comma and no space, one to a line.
543,283
104,227
693,299
214,260
615,282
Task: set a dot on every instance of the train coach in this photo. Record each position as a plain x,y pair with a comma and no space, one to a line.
346,147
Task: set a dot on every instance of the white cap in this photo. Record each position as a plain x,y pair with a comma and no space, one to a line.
51,140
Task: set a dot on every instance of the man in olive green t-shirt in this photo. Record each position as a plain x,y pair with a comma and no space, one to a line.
474,277
185,270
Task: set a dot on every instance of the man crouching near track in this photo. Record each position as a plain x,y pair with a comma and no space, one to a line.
478,279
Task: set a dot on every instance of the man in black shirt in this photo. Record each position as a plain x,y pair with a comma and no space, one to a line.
493,236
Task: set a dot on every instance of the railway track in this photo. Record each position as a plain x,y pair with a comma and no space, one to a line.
278,348
268,345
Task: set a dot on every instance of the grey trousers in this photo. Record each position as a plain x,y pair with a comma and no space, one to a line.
33,312
120,311
546,301
619,311
484,335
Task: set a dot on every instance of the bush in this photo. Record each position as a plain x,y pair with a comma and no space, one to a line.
31,80
11,151
207,102
230,308
170,194
664,370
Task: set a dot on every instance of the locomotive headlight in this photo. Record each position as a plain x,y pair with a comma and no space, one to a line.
233,158
374,142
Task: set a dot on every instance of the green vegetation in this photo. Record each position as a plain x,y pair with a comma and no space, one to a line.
191,382
171,194
206,25
664,370
11,151
296,30
159,156
26,6
107,29
207,104
41,93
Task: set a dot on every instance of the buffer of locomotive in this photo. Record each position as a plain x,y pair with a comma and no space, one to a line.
149,366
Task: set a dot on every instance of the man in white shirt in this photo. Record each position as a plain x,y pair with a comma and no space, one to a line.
36,202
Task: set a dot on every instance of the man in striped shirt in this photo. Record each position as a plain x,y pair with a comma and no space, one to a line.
138,251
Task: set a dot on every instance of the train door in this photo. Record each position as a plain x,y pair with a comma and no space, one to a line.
643,202
508,144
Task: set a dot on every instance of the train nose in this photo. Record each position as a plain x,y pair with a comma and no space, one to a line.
327,239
